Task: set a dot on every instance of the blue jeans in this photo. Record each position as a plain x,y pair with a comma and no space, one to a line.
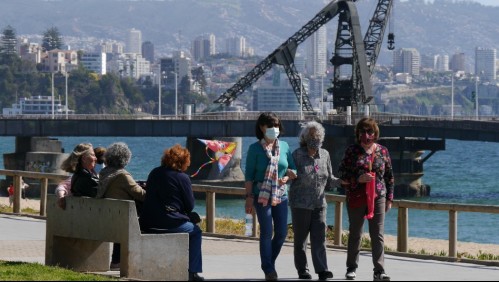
195,258
271,247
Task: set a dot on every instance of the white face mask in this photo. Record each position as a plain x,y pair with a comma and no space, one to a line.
272,133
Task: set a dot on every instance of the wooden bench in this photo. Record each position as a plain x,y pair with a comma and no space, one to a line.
80,237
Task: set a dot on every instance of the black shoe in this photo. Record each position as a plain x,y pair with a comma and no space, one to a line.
304,275
325,275
193,276
271,276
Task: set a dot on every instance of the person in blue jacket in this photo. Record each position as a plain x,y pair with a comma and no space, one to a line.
269,167
169,200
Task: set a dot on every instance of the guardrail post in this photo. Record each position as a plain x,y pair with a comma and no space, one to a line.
210,212
402,229
338,223
452,233
17,194
44,183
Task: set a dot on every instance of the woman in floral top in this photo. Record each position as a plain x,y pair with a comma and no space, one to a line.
359,160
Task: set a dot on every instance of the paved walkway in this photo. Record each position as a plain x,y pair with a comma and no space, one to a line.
23,239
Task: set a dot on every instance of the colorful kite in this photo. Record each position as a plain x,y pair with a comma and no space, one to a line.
223,153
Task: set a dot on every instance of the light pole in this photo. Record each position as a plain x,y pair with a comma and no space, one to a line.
476,97
53,112
322,96
301,97
160,77
66,75
176,95
452,98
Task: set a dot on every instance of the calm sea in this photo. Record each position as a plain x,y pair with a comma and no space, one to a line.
465,172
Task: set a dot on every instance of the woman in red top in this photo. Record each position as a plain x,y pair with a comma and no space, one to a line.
364,161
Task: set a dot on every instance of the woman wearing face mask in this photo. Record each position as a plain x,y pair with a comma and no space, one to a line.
364,161
269,167
308,202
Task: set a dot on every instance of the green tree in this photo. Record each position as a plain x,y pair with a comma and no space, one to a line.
8,43
52,39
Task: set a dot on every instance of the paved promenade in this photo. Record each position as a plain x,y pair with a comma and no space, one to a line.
23,239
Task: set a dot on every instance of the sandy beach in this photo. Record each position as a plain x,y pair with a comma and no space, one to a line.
417,244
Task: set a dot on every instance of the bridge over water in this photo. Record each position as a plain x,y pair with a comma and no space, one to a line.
407,137
241,124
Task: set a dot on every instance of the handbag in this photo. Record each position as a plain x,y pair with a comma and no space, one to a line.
357,198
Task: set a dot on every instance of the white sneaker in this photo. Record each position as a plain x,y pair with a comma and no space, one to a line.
381,276
350,275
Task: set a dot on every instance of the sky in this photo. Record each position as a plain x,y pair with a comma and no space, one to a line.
483,2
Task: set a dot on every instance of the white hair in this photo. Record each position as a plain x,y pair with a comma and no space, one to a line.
320,132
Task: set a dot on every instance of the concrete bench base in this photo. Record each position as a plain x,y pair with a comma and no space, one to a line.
79,238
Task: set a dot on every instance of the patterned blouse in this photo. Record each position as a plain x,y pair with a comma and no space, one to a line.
356,162
315,175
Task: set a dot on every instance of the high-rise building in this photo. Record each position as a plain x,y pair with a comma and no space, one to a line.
485,63
134,41
458,62
148,51
406,60
442,63
203,47
236,46
317,53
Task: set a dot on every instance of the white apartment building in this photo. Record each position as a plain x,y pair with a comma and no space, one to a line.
134,41
129,65
95,62
406,60
485,63
37,105
317,53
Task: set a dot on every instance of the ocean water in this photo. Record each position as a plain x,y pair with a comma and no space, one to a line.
465,173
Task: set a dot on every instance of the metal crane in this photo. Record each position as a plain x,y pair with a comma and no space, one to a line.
349,46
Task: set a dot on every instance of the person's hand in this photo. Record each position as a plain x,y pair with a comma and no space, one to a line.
366,177
61,202
283,180
291,174
388,205
249,205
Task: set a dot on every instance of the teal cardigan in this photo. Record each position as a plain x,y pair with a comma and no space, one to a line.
257,162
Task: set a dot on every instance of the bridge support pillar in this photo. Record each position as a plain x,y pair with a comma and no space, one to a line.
39,154
232,172
406,160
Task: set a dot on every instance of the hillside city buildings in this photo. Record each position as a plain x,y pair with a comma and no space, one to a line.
137,58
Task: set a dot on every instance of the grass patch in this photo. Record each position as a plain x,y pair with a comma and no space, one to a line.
7,209
22,271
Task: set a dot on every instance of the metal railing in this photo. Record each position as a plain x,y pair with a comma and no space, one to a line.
338,200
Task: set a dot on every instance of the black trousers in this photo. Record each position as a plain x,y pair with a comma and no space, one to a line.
313,223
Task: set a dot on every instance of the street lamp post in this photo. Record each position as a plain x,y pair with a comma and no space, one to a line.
452,98
159,93
53,112
301,97
176,95
322,96
476,97
66,75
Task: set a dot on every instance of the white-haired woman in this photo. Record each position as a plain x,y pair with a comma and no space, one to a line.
308,202
117,183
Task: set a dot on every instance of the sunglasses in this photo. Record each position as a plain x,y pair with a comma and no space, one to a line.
369,131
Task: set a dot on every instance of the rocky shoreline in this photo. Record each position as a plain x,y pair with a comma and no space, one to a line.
430,246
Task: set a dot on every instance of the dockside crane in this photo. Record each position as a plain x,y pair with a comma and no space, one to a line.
350,50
